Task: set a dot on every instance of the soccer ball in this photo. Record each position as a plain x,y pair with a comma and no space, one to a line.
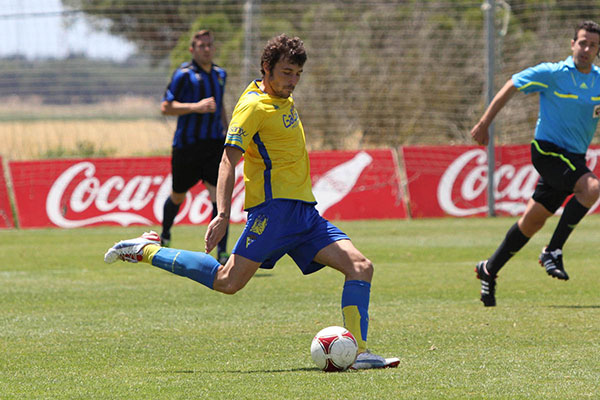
334,349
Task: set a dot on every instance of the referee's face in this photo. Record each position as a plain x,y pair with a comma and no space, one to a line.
585,49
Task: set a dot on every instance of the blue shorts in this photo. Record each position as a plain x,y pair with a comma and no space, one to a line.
292,227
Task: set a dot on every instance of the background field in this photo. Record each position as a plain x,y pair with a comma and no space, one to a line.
73,327
380,73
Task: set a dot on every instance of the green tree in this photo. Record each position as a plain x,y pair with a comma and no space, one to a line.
155,26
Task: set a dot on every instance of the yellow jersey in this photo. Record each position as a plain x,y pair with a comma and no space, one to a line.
269,132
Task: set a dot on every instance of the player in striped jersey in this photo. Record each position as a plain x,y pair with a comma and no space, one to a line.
195,96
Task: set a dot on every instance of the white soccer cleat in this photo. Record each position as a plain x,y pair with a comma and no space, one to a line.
132,249
368,360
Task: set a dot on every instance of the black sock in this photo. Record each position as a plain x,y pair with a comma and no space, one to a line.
573,213
512,243
170,211
222,245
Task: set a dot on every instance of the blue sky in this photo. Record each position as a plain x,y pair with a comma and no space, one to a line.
36,29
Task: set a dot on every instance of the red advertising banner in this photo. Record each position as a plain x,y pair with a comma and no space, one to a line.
357,184
6,220
132,191
452,180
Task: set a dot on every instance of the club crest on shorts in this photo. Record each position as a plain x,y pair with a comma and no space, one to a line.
259,225
597,111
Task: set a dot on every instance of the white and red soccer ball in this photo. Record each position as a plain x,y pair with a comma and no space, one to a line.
334,349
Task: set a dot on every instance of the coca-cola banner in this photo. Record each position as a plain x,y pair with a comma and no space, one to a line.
6,220
126,191
357,184
452,180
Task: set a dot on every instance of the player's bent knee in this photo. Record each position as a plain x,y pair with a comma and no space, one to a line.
228,287
178,198
227,283
594,189
364,269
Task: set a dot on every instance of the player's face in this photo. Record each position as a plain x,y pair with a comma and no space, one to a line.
282,79
585,49
203,51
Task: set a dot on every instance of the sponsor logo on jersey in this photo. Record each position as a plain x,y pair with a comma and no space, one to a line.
235,133
290,120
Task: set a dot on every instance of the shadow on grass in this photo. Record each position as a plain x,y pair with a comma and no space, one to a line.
574,307
262,275
237,371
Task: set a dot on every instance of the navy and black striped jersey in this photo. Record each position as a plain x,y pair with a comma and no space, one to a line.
190,84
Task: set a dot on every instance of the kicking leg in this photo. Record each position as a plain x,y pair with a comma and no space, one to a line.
198,266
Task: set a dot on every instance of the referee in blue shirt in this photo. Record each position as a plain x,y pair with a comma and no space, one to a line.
195,96
569,109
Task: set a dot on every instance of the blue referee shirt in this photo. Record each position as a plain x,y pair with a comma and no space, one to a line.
190,84
569,102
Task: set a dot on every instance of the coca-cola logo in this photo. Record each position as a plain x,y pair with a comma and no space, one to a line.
82,196
466,179
120,200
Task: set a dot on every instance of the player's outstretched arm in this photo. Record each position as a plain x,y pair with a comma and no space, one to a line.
480,133
218,226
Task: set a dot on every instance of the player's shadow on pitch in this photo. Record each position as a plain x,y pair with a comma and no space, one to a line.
576,307
237,371
262,275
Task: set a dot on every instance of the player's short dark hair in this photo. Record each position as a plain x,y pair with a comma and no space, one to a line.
283,47
196,37
588,26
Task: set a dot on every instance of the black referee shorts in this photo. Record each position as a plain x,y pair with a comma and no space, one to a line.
559,171
196,162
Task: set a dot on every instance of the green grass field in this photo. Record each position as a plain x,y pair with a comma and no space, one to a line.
72,327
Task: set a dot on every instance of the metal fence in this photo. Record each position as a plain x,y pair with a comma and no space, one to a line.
379,73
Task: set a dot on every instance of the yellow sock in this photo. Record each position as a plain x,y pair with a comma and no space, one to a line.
149,251
352,323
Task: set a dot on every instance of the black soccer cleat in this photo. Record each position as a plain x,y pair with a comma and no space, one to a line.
488,285
552,261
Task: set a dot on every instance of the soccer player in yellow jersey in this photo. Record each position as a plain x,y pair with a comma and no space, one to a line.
282,218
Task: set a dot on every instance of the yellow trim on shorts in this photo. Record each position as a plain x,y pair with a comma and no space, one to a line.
549,153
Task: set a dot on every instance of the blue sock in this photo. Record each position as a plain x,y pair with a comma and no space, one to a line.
355,309
197,266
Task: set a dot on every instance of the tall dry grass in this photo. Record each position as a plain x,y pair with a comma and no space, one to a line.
23,140
126,126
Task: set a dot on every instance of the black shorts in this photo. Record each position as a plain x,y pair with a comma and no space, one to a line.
559,171
196,162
